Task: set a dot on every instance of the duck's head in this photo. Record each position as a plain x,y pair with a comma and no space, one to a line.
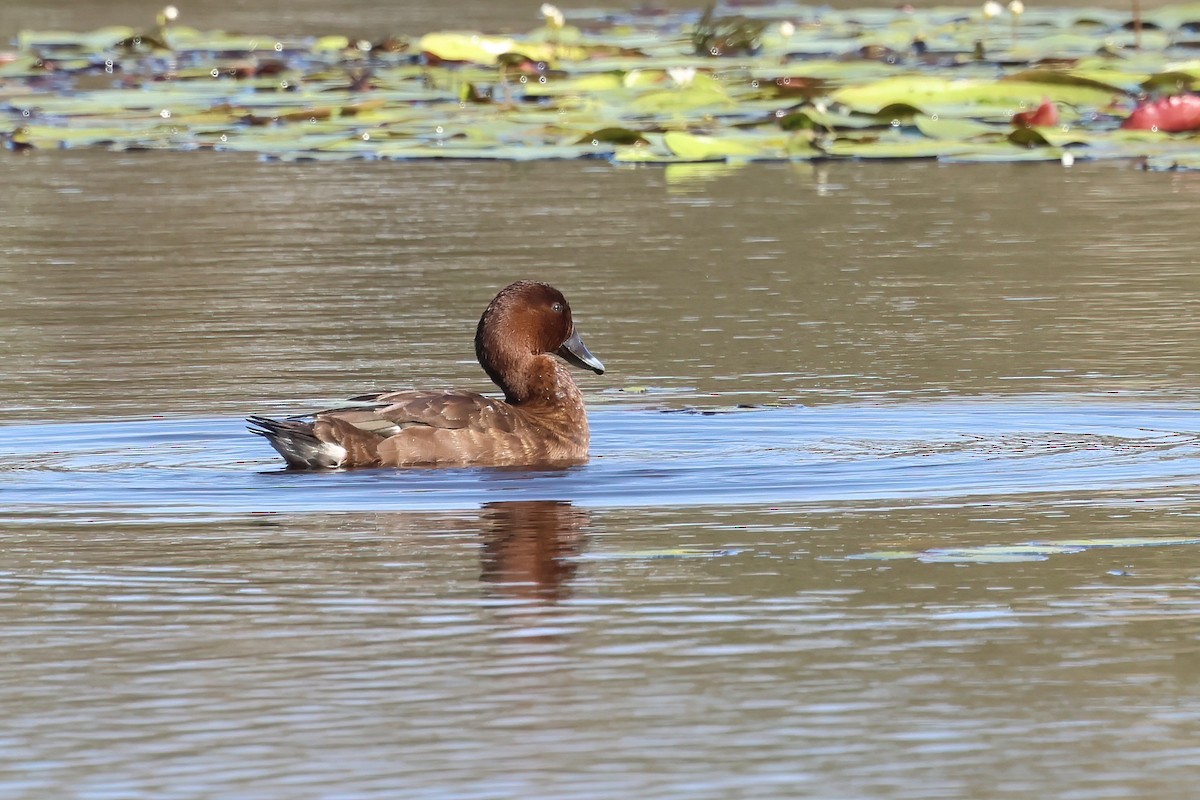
527,319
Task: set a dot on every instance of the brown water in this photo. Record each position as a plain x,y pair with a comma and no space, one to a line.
950,363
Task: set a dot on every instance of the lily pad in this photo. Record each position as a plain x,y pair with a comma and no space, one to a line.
690,147
896,147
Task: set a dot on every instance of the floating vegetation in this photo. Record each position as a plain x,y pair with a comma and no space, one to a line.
779,82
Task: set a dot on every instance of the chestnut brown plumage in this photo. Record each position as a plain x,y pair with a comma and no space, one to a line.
540,421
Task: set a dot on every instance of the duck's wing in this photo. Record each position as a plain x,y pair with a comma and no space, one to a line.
408,429
415,428
387,413
468,428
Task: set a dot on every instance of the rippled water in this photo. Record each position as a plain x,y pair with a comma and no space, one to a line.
644,459
892,490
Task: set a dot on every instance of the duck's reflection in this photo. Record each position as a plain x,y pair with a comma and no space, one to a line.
529,547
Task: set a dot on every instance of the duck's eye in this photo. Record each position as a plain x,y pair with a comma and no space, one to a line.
557,308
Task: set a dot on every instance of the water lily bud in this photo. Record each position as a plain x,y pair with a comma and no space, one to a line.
682,76
992,9
1016,8
554,17
166,16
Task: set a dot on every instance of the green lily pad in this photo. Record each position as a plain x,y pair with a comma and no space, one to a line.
469,47
929,93
896,147
955,130
690,147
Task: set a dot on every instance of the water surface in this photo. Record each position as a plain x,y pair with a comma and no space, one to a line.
821,381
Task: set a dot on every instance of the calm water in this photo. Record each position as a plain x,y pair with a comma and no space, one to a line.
945,365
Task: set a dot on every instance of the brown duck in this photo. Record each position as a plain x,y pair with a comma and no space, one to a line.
540,421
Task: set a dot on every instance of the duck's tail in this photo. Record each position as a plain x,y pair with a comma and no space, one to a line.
295,441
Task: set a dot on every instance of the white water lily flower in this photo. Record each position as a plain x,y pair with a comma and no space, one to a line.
682,76
492,45
554,17
992,9
1016,8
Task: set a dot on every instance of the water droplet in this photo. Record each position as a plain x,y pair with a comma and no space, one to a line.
224,138
439,129
542,79
933,116
312,120
215,72
524,79
24,112
283,84
165,113
595,142
714,51
279,47
108,63
108,70
753,84
895,123
1154,128
366,137
137,40
786,81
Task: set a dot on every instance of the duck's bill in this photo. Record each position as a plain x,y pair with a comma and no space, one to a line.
574,351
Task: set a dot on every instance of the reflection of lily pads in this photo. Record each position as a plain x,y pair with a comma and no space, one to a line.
1029,551
670,88
656,554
